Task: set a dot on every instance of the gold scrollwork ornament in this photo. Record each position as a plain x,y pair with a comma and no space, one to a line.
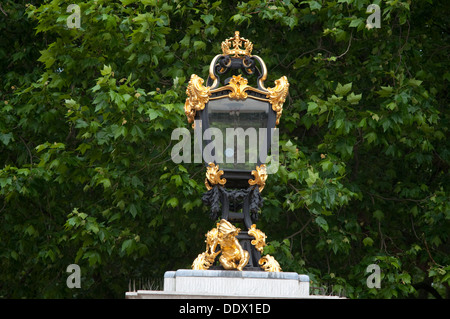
260,238
214,176
260,175
238,85
267,262
277,96
197,97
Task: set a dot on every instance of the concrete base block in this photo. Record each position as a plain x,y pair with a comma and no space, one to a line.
186,283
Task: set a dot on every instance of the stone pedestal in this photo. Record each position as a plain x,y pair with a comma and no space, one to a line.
186,283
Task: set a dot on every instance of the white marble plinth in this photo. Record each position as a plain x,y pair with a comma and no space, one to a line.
185,283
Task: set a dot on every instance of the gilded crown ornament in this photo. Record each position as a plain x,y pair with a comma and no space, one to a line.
233,46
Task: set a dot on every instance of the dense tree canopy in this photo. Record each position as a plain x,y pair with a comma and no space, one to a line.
86,116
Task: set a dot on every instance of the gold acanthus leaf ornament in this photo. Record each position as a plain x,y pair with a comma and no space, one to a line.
260,175
197,97
232,46
260,238
269,263
214,176
238,85
277,95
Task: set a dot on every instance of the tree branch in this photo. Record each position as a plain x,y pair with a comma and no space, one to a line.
401,199
301,229
348,47
28,149
3,10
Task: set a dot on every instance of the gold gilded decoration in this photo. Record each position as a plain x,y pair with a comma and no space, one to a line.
260,175
213,176
233,46
260,238
269,263
206,259
233,255
277,95
212,76
198,96
237,85
263,71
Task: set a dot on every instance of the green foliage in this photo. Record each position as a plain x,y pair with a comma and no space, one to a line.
86,117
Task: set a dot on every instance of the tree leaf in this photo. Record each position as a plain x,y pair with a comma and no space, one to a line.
368,241
322,223
342,90
353,98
